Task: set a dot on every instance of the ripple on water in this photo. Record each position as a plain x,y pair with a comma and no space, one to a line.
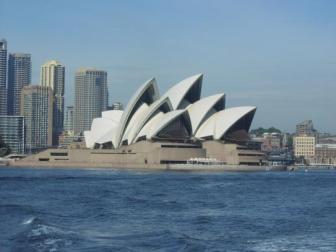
305,243
76,210
39,236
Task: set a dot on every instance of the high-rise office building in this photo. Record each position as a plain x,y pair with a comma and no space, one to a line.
3,77
69,119
12,132
37,109
91,97
305,128
19,76
52,75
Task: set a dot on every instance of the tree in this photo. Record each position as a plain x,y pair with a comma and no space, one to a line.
4,148
260,131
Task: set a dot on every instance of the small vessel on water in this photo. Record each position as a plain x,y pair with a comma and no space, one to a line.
4,161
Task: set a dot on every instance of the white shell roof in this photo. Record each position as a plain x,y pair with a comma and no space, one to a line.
173,98
134,122
180,90
153,108
163,122
114,115
89,141
99,128
219,123
150,125
110,134
199,110
150,84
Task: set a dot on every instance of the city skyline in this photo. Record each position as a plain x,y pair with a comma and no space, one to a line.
284,66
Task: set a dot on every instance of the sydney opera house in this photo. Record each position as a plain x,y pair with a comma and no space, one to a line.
172,128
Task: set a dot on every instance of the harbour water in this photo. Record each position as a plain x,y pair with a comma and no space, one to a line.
118,210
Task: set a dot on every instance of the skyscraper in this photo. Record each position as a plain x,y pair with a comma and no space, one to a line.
305,128
52,75
69,119
3,73
91,97
19,76
12,132
37,109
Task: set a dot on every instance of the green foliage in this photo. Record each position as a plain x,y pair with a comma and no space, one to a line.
260,131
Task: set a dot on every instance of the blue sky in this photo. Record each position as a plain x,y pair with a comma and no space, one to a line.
277,55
